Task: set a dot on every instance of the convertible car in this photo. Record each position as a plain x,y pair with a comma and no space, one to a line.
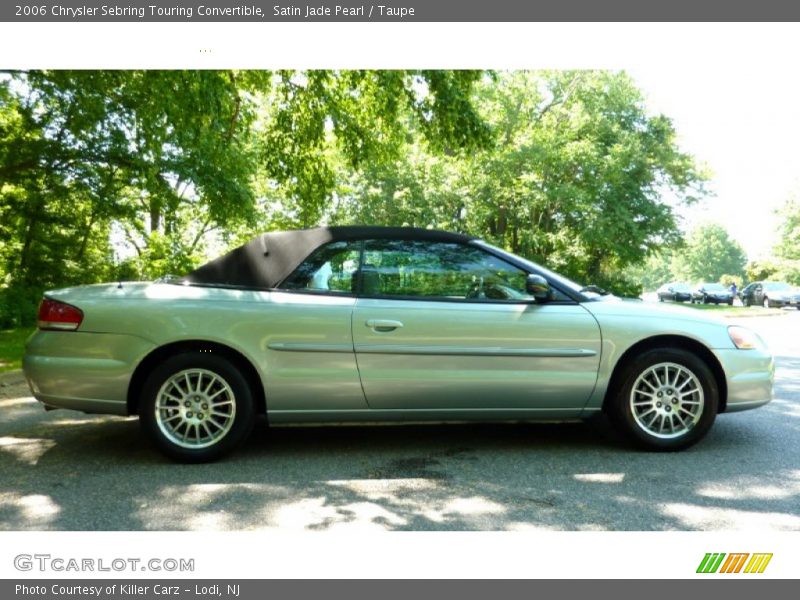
370,324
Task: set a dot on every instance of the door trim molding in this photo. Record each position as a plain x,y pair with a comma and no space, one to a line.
473,351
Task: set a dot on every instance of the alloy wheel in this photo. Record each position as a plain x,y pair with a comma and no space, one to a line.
667,400
195,408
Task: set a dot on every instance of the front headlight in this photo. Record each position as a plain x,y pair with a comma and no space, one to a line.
745,339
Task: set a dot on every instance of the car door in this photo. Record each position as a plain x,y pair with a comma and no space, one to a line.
311,367
758,294
450,326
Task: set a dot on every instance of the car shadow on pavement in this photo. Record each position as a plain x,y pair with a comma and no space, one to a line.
66,471
100,474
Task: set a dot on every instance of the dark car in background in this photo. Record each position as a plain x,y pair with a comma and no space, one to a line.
770,294
712,292
676,292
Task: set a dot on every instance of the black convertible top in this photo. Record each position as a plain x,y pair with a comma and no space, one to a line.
268,259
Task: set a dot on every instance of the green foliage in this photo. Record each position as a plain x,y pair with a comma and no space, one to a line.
727,280
574,179
18,306
655,271
709,254
108,175
82,150
12,345
787,249
788,246
761,270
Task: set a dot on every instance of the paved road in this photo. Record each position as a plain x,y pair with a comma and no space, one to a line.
64,470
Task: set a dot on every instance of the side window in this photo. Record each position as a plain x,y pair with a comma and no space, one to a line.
330,268
439,270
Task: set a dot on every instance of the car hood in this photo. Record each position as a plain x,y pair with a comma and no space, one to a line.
628,307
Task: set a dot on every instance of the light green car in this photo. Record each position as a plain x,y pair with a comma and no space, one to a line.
367,324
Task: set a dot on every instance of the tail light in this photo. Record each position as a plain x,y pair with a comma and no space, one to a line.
58,315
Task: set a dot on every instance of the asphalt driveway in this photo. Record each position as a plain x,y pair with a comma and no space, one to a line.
62,470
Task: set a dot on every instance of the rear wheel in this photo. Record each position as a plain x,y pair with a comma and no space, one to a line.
666,399
196,407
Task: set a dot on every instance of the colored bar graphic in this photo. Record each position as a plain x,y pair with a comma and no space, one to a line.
758,563
740,564
710,562
734,562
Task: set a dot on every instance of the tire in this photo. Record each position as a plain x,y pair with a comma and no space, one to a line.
705,299
681,377
661,298
730,302
746,302
196,433
766,302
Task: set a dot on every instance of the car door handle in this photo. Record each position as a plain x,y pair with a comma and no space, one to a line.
383,325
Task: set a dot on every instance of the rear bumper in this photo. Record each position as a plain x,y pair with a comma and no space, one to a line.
89,372
749,376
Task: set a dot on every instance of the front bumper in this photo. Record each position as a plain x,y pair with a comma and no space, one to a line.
89,372
749,375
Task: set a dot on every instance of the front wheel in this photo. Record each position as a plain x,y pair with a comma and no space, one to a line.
766,302
196,407
665,399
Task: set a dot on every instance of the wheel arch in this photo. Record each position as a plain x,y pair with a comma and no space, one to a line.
149,362
670,341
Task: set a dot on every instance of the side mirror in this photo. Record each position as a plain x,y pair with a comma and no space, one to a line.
538,287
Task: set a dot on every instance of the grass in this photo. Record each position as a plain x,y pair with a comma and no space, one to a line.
12,344
737,311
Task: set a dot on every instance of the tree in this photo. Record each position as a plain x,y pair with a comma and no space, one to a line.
164,158
574,179
709,254
656,270
787,248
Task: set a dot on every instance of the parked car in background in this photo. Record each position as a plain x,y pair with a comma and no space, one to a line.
375,324
676,291
712,292
770,294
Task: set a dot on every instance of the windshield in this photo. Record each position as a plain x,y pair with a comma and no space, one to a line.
681,287
551,275
714,287
776,287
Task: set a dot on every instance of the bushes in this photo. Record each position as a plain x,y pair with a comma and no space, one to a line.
18,306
